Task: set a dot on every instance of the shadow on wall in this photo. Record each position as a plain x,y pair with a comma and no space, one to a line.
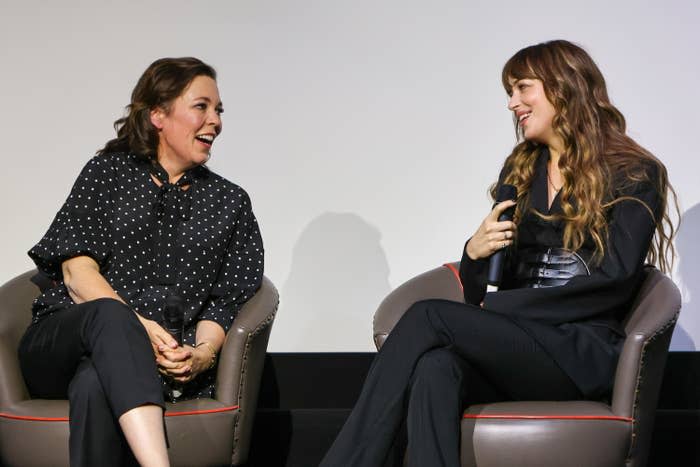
338,276
689,272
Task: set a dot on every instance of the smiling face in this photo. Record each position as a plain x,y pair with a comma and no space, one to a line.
533,111
188,127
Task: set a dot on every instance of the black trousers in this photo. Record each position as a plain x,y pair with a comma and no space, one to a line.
441,357
99,356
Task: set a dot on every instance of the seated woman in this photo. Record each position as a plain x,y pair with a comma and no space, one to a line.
589,201
146,220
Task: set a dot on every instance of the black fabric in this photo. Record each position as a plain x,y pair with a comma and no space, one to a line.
196,238
438,389
589,309
97,439
98,355
493,359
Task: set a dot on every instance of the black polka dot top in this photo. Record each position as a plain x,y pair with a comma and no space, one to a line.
202,243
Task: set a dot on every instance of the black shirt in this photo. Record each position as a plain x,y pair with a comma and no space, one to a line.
201,243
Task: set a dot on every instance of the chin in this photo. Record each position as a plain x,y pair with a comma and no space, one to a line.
200,160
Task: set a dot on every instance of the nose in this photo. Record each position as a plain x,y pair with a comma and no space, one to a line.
513,102
214,119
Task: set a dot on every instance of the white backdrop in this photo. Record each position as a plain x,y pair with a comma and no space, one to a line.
366,132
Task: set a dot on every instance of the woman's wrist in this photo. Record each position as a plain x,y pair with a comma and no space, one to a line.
470,253
208,351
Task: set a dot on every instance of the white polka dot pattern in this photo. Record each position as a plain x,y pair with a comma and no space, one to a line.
212,256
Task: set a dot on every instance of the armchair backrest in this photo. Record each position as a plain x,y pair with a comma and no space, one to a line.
436,283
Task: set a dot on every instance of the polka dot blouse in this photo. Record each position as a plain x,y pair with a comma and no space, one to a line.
202,243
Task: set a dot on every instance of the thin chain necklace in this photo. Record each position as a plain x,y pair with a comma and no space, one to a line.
556,190
551,183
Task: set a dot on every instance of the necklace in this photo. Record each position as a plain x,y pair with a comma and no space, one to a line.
556,190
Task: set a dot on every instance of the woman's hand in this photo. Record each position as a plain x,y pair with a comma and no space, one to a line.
492,235
184,363
161,340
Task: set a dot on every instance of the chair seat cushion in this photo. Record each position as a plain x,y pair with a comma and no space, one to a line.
570,433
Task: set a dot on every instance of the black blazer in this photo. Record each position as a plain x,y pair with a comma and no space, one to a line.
588,310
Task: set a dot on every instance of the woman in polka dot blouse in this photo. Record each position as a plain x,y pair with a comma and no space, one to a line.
145,220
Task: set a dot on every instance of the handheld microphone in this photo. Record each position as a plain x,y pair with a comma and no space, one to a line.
505,192
174,317
174,323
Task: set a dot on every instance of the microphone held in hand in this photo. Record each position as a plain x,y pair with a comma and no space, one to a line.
505,192
174,323
174,317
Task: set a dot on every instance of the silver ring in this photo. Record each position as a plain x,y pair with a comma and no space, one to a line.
504,245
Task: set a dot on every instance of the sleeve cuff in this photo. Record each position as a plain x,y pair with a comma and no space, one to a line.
473,275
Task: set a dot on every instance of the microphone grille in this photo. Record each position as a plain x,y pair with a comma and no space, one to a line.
173,306
506,192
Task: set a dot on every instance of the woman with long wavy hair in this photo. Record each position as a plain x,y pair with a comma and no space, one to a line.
146,226
591,207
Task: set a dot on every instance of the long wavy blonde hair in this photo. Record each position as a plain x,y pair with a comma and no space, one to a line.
598,159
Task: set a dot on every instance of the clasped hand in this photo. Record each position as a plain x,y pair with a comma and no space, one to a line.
181,363
492,235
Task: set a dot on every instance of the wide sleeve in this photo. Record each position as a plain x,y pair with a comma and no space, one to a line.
83,224
241,272
611,285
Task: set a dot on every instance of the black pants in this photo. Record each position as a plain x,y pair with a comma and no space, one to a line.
441,357
99,356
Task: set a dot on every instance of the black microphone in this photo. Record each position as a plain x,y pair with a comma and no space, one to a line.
174,317
174,323
505,192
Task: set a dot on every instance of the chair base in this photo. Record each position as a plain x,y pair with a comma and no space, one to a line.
199,433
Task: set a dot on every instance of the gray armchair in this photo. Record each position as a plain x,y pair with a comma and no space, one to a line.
202,432
570,433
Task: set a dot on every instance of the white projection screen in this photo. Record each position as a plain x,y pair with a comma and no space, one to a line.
365,132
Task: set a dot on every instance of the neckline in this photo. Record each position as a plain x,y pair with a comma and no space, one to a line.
160,177
540,186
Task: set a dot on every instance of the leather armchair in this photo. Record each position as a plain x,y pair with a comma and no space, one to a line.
568,433
202,432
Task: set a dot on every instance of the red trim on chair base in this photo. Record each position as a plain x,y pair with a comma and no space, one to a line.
33,419
201,412
456,273
551,417
167,414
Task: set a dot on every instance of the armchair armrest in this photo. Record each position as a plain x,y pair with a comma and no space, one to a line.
241,362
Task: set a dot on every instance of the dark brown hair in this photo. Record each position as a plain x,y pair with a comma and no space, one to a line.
162,82
597,157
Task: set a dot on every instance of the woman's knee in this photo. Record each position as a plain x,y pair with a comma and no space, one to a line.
108,311
423,316
419,311
112,320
